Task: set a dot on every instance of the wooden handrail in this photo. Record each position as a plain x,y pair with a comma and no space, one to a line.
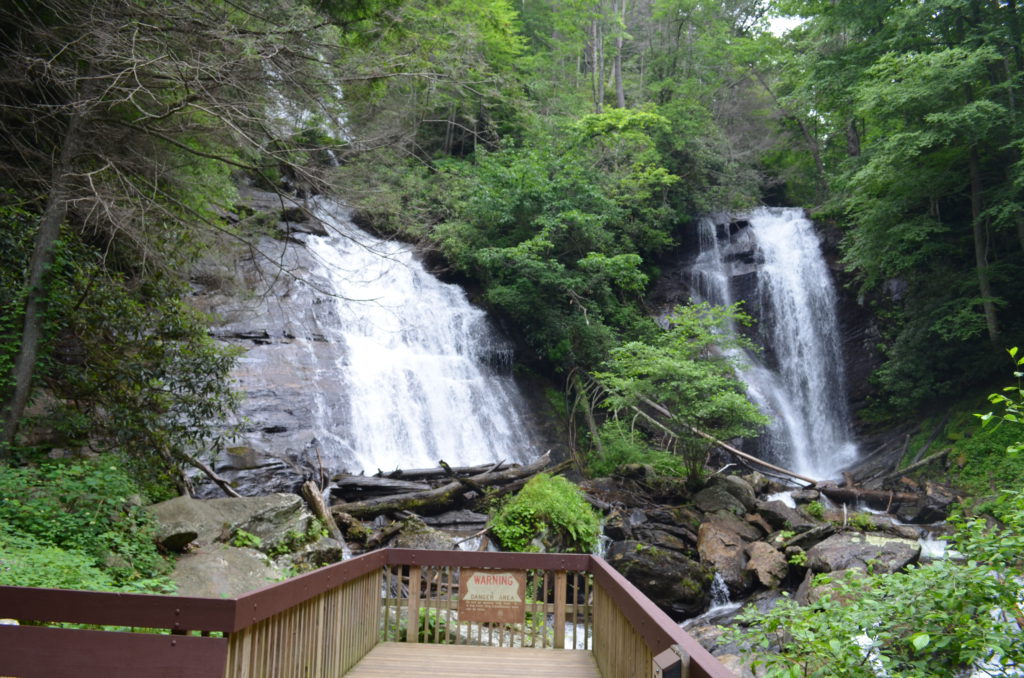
35,645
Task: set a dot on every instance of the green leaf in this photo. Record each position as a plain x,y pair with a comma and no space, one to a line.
920,641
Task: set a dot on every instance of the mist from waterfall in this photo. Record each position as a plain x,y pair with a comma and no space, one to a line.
799,380
426,376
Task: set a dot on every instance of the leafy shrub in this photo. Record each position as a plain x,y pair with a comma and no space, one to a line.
85,508
625,446
551,509
27,562
861,521
815,509
243,539
941,619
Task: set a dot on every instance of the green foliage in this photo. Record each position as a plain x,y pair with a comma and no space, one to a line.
909,112
622,445
686,370
24,561
815,509
89,510
548,511
243,539
861,521
131,367
943,618
798,558
1012,402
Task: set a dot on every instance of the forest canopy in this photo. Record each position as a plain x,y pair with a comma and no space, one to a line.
551,152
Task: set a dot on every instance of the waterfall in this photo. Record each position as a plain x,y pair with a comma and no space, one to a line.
775,264
358,359
426,375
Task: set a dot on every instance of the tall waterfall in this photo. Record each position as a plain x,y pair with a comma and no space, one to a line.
799,381
358,359
426,375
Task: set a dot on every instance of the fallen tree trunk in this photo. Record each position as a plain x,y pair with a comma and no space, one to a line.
720,443
358,488
439,472
315,499
878,497
440,499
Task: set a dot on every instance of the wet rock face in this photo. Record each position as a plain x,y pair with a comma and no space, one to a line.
724,550
674,582
874,553
276,447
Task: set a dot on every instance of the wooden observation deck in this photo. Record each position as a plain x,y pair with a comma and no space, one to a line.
395,612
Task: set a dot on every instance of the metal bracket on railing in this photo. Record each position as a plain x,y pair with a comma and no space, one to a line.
672,663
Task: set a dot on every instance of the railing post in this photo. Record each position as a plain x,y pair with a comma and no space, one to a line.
560,610
672,663
412,627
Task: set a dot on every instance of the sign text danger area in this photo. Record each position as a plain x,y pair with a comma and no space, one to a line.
493,596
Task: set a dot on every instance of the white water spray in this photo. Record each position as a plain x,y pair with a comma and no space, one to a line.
425,375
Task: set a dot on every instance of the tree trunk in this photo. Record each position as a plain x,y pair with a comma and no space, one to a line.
981,250
852,139
441,498
620,92
50,222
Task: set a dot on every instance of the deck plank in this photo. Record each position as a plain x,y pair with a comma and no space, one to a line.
407,660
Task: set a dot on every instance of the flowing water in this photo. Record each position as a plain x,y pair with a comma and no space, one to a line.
799,380
425,374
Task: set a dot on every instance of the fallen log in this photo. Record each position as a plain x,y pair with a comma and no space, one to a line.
852,495
357,488
439,472
720,443
315,499
439,499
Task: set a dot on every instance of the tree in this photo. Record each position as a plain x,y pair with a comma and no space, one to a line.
688,373
122,123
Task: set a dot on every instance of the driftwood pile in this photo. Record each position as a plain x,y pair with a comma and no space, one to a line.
428,491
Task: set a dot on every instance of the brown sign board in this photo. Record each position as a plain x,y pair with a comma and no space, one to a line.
493,596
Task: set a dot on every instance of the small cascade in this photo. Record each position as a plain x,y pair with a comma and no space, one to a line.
719,592
771,259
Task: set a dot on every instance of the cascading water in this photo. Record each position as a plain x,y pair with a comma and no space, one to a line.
358,359
418,361
799,381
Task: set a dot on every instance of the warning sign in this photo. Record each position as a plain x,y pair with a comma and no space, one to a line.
493,596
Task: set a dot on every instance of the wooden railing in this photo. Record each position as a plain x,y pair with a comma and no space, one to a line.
321,623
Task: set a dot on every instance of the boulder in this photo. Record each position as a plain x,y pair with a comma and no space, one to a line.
662,539
718,499
869,552
725,550
675,583
810,538
222,571
932,507
620,524
739,488
324,551
767,563
781,517
183,520
749,531
417,535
